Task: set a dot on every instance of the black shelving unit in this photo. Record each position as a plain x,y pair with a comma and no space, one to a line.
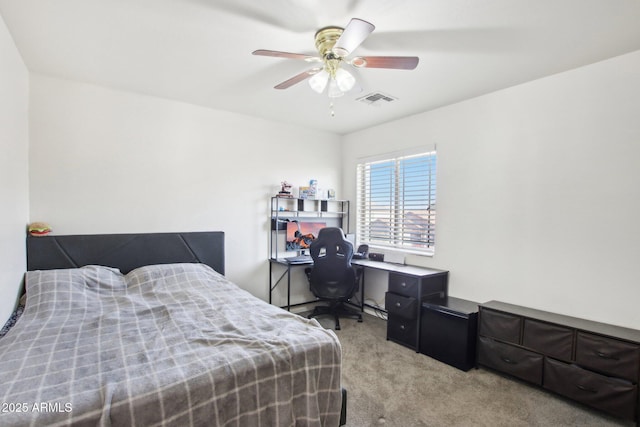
285,209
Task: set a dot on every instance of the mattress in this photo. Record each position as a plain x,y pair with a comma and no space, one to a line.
173,344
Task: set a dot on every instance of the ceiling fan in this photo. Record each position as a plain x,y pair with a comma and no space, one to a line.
334,45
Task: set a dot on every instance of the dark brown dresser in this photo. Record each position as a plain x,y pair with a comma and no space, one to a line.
593,363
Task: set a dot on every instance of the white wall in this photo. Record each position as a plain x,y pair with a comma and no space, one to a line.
538,191
14,184
104,161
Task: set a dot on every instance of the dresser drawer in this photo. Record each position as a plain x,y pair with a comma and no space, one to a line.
611,395
402,330
404,285
501,326
608,355
401,306
511,360
550,339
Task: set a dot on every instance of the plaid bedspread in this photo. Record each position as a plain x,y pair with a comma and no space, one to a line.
170,344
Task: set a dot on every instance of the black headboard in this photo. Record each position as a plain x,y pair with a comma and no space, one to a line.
125,251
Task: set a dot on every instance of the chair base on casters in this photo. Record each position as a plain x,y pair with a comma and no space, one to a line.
337,310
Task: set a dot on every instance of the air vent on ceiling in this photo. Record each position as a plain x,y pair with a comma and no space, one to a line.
376,98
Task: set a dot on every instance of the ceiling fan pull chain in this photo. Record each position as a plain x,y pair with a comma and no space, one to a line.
332,113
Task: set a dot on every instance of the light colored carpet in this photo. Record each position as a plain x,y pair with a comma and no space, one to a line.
392,385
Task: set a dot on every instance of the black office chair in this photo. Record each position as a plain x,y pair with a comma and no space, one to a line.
332,277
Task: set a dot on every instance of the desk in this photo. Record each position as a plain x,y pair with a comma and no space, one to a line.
394,269
408,287
409,270
286,272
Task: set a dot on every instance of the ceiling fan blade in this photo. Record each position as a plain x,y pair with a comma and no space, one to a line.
353,35
278,54
297,78
395,62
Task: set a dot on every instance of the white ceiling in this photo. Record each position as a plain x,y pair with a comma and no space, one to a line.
199,51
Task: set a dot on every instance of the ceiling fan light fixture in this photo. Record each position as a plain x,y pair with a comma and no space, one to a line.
334,90
344,80
319,81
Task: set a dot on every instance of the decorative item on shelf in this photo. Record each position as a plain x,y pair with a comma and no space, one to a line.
313,188
331,194
304,193
285,190
39,229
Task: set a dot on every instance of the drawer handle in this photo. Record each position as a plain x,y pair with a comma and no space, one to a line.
587,389
450,313
509,361
403,284
398,304
402,327
604,355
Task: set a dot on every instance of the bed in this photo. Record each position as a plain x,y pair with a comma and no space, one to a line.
144,329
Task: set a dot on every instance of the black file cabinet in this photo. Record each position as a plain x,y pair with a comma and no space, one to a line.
448,331
402,301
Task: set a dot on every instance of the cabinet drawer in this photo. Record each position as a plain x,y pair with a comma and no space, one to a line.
400,306
402,330
511,360
608,355
501,326
552,340
404,285
611,395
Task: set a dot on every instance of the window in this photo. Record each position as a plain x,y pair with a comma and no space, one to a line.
396,198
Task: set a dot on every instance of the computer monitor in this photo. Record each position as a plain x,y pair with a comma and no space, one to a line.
300,234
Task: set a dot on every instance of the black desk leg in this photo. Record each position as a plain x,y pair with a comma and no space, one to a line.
288,287
272,286
362,282
270,278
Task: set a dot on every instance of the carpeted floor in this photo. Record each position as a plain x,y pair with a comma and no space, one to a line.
391,385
